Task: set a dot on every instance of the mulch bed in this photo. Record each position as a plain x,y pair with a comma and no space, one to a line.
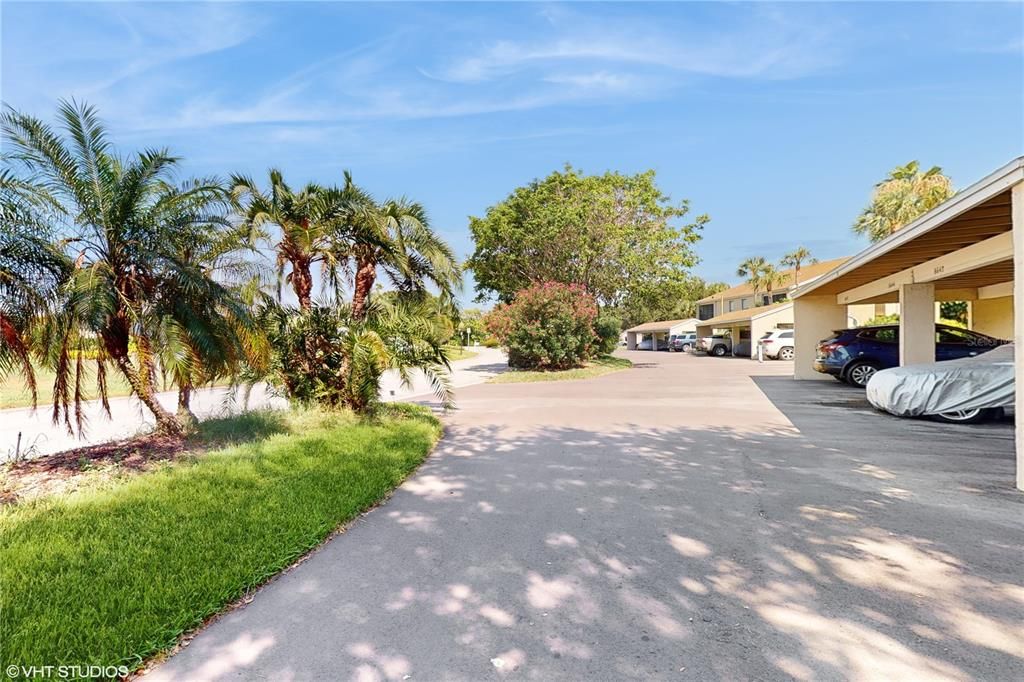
56,472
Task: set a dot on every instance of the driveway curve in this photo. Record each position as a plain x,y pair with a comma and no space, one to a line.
691,518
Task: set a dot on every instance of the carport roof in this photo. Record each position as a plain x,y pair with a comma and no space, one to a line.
979,212
739,316
662,325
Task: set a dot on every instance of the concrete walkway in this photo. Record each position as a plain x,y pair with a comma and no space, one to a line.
128,417
692,518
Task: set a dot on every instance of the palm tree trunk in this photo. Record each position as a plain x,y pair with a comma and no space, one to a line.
166,422
302,283
185,414
366,275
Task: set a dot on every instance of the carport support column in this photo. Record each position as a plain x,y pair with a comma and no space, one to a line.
758,327
630,340
917,323
1017,195
814,319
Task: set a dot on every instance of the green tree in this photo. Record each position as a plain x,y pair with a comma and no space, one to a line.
395,238
614,234
751,270
767,278
954,310
308,223
795,259
217,283
608,328
903,196
118,215
675,300
32,269
471,326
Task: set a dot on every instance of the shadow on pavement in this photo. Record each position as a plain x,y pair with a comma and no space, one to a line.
646,553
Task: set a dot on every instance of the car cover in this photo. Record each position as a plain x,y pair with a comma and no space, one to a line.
982,381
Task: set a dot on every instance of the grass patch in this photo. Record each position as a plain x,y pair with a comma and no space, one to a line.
14,393
115,575
461,353
606,364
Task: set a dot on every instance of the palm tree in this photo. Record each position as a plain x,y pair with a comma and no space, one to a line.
402,334
396,237
795,259
904,195
308,222
32,268
215,287
119,215
751,269
769,277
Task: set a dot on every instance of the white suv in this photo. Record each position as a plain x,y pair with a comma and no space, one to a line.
778,344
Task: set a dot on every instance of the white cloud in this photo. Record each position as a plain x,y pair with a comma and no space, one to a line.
766,45
595,80
99,46
142,65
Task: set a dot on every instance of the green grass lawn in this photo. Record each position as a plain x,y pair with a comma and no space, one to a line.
461,353
605,364
13,392
112,576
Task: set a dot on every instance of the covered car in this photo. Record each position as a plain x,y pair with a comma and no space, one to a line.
961,391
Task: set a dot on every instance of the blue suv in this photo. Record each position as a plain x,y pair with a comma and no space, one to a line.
854,355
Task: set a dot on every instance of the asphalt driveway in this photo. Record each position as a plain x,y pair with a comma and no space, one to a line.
691,518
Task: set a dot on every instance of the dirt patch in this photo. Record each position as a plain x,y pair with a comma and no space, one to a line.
69,470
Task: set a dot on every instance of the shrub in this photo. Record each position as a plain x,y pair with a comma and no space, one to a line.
309,362
895,319
547,326
882,319
322,356
608,329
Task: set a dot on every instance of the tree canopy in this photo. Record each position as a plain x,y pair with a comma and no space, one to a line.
619,236
903,196
675,300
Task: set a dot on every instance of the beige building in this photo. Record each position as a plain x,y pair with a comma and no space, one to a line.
744,327
745,315
970,248
743,296
659,332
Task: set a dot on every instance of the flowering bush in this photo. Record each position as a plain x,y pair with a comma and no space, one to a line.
547,326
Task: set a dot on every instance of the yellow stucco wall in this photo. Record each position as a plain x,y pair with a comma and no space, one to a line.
993,316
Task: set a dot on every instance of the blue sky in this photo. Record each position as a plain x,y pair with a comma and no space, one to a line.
774,119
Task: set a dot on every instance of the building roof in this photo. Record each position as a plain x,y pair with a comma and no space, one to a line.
662,325
745,315
807,273
979,212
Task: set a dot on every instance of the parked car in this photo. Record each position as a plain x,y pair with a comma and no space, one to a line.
961,391
854,355
682,342
644,344
778,344
718,345
721,345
